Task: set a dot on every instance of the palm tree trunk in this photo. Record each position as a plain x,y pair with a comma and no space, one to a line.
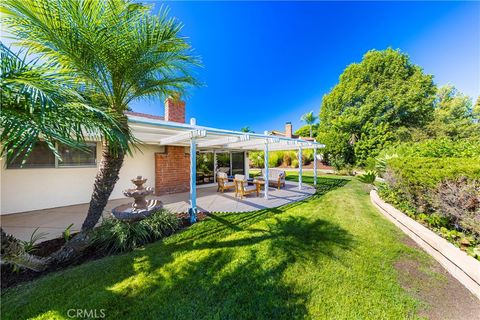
310,131
105,181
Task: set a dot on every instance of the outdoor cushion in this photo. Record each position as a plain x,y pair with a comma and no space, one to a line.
240,177
223,176
274,174
247,187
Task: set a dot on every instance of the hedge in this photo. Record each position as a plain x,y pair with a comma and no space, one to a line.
445,186
425,173
440,148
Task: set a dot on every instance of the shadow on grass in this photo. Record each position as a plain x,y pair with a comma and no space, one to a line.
240,278
222,268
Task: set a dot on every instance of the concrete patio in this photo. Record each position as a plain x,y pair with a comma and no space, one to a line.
54,221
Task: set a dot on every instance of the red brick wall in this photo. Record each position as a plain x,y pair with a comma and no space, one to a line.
174,110
288,130
172,171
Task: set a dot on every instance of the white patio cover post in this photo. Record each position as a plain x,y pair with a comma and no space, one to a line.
300,168
265,187
315,165
193,181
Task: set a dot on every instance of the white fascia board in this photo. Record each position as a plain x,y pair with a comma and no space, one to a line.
183,136
222,141
242,144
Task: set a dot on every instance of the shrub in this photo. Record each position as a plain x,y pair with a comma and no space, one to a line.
295,163
448,186
460,201
440,148
30,245
275,159
289,157
338,163
347,170
116,235
256,159
369,177
307,156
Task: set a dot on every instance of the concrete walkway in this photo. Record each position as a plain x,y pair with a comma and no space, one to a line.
54,221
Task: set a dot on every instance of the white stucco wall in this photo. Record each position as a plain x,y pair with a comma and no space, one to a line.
34,189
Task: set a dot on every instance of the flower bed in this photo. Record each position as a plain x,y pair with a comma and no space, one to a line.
12,276
440,224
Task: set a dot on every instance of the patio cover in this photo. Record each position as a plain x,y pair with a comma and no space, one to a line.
151,131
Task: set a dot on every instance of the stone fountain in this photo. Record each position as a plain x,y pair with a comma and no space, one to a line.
140,208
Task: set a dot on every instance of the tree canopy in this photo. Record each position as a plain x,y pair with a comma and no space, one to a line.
375,102
453,115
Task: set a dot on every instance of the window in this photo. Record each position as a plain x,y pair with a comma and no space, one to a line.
77,158
42,157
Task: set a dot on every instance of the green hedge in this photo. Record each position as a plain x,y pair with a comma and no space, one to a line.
426,173
440,148
440,186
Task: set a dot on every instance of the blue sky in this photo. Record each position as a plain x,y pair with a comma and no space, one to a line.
266,63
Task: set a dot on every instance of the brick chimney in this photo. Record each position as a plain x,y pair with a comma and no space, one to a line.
288,129
175,109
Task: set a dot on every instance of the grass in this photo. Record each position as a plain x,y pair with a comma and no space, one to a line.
331,256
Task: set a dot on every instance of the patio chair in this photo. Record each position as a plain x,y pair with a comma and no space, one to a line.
275,177
223,183
242,187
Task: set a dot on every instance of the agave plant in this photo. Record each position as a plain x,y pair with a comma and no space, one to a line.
369,177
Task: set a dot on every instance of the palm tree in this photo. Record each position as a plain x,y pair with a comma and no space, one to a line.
117,51
309,119
39,103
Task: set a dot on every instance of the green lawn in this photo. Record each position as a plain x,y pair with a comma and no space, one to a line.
330,256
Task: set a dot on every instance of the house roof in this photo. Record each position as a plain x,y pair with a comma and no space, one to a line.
158,131
144,115
294,136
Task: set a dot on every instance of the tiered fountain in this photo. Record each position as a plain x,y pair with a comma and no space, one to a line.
140,208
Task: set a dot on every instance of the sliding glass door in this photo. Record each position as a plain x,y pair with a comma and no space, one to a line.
231,163
205,167
223,162
238,163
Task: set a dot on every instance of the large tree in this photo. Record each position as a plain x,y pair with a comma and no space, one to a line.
117,49
374,102
40,103
453,115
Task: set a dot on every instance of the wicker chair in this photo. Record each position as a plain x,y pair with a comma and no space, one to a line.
242,187
223,183
276,177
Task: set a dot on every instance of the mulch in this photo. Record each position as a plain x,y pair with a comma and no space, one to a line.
11,278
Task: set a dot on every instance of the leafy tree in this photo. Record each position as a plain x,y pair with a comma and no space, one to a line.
375,99
304,131
117,50
453,118
309,118
476,109
247,130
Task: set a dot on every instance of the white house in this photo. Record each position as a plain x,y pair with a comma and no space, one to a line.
163,158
